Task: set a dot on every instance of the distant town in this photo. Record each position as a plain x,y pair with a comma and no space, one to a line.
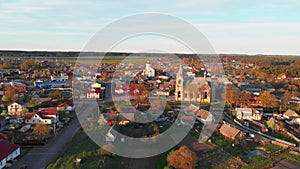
40,92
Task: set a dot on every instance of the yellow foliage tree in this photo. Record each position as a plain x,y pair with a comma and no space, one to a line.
268,100
41,130
183,158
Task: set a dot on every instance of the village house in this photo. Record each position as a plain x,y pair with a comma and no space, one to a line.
281,76
9,151
162,93
44,115
254,100
19,87
294,100
112,133
231,132
255,89
66,106
204,117
61,77
291,117
119,90
289,114
93,94
149,71
132,90
15,108
248,114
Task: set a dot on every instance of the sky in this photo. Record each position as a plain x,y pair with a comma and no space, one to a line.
231,26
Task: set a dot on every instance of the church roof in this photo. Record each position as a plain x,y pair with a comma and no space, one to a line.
195,83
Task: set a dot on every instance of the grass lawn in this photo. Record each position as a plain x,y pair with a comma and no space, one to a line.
227,145
272,148
216,158
162,160
83,147
281,136
261,161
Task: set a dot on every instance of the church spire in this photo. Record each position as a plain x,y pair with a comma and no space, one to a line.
180,72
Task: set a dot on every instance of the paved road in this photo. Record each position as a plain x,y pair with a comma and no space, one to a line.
40,157
142,163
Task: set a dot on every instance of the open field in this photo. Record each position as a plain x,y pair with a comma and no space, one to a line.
111,59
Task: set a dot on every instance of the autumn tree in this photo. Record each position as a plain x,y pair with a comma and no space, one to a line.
271,124
183,158
31,103
41,130
268,100
15,97
144,94
141,87
242,75
244,97
9,93
285,100
144,97
6,65
24,65
262,75
291,87
104,76
231,94
24,112
297,107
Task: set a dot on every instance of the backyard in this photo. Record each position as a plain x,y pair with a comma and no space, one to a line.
84,148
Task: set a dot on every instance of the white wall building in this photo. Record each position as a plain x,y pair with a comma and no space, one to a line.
8,152
149,71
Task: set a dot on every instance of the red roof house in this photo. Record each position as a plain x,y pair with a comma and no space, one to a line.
47,115
8,152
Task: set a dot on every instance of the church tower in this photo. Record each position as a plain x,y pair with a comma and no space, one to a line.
149,71
179,85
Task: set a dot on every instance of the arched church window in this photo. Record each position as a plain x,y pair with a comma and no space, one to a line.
205,95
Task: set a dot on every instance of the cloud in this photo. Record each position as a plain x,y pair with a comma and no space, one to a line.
251,26
239,23
43,33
